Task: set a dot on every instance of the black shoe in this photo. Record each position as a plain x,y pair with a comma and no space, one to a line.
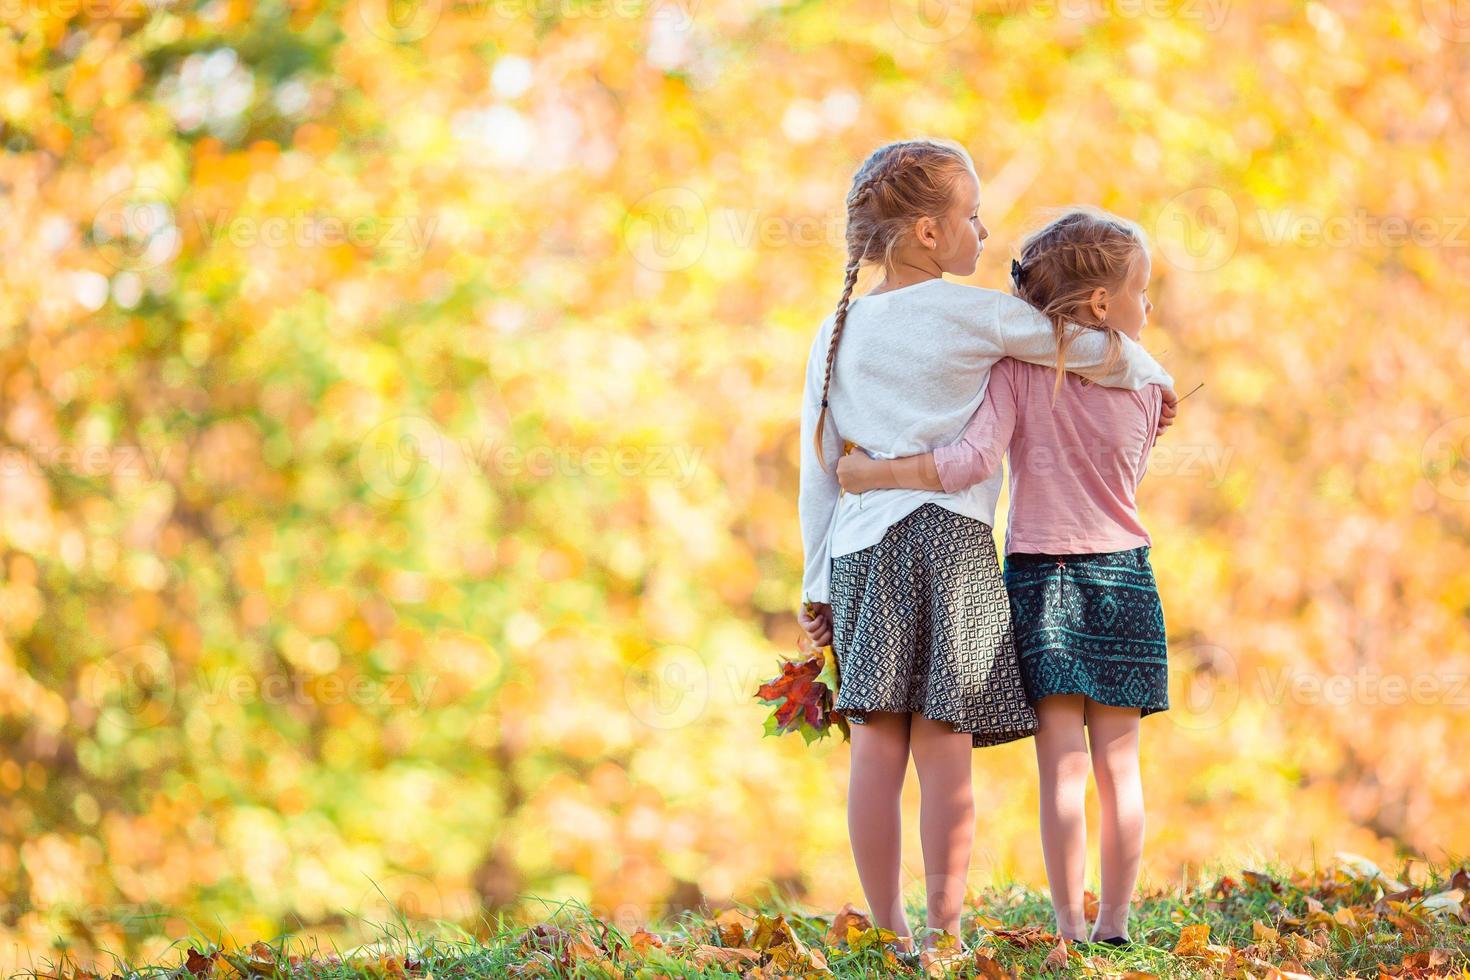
1112,941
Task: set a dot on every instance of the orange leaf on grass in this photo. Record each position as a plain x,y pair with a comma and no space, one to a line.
848,918
199,964
1193,940
1057,958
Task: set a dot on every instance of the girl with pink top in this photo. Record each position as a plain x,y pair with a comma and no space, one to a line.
1088,623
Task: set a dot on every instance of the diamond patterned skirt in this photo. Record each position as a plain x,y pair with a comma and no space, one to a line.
921,623
1090,624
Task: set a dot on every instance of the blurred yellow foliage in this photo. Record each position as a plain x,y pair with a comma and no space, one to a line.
399,408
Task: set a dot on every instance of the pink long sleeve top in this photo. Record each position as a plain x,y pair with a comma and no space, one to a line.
1074,466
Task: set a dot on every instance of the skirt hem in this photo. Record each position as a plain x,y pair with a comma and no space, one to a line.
978,739
1144,709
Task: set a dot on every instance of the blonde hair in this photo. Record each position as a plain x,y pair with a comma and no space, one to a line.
1064,262
898,184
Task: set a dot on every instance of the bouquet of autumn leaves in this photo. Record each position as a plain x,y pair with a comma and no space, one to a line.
801,695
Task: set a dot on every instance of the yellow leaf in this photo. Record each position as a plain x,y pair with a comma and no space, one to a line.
1192,940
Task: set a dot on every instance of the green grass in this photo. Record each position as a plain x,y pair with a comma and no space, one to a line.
1329,922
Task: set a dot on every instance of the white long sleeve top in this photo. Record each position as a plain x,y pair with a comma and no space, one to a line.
911,369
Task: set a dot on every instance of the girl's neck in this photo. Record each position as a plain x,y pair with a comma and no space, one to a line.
902,274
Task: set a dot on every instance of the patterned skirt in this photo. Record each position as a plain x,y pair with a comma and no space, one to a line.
1090,624
921,623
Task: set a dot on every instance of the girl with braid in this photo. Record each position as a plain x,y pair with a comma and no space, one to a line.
1089,625
905,583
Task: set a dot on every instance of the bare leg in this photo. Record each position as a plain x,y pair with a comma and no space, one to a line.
880,756
1113,733
942,758
1061,758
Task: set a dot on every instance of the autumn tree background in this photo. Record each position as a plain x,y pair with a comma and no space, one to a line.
399,421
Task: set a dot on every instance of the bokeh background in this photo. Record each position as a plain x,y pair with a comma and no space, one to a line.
399,419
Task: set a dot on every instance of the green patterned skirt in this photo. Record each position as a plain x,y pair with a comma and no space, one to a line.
1090,624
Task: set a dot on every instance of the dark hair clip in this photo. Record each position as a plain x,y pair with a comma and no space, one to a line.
1018,274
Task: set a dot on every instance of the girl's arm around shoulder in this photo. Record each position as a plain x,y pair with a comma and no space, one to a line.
1028,335
970,459
976,455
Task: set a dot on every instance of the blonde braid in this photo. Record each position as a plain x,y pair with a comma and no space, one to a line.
855,199
837,324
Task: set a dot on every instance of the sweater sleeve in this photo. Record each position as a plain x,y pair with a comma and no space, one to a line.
1027,335
976,455
818,488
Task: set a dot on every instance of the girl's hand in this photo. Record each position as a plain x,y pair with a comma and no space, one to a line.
858,472
816,619
1167,410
